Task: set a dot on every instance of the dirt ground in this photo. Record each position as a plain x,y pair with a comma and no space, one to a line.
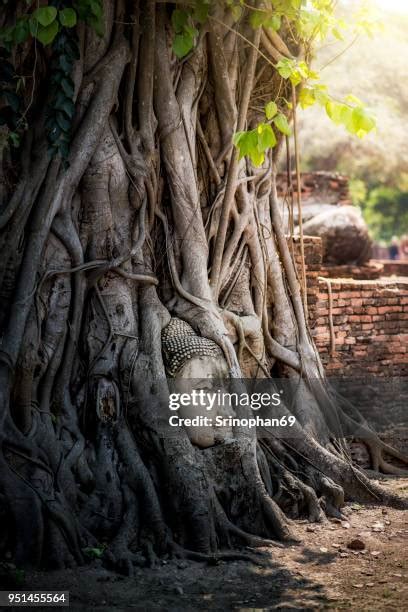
320,573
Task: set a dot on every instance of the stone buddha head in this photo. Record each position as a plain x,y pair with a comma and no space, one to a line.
198,363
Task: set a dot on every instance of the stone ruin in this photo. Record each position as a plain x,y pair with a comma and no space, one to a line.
327,212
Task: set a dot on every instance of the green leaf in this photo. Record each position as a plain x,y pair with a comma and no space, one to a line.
295,78
303,69
345,114
71,50
191,30
282,124
68,87
257,158
21,31
182,44
46,35
95,553
351,99
246,142
98,25
285,68
336,111
63,148
179,20
201,10
45,15
266,137
96,8
254,143
236,11
258,18
34,26
360,123
271,109
68,17
274,22
63,122
65,63
337,34
306,97
15,139
69,108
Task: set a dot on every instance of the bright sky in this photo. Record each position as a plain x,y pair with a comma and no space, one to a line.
399,6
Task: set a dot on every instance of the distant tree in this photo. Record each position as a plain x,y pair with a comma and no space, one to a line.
386,212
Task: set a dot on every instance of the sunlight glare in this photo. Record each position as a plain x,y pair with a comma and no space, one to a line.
397,6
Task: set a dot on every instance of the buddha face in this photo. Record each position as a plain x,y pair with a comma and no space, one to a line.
197,364
203,367
204,372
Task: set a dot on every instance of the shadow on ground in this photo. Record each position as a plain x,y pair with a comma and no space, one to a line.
179,585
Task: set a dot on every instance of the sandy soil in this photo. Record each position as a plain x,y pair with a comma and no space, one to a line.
319,573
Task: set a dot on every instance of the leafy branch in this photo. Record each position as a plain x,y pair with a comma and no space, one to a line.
52,25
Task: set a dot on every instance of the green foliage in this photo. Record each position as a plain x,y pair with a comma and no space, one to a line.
271,109
255,142
68,17
386,212
94,553
184,24
267,19
91,12
52,25
309,20
282,124
61,107
349,112
10,111
47,34
45,15
358,191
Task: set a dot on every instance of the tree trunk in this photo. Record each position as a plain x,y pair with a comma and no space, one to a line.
153,222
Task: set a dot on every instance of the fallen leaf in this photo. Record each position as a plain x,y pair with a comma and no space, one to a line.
358,586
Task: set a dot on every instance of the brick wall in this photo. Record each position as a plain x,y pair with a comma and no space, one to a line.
370,325
394,268
324,187
370,320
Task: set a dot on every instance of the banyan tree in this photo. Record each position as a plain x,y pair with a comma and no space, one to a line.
141,240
